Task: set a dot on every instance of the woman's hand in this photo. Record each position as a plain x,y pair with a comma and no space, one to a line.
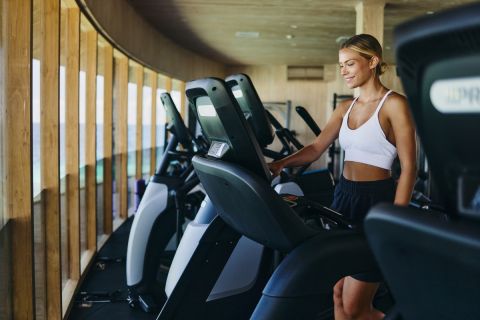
275,167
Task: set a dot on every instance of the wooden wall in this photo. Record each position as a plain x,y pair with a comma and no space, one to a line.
147,45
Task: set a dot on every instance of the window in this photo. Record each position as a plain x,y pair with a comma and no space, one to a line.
146,128
161,117
132,127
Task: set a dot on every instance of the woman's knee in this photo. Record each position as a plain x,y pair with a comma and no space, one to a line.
357,297
338,292
353,308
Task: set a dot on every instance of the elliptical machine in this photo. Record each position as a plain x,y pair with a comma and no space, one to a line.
224,273
316,185
158,223
432,262
301,285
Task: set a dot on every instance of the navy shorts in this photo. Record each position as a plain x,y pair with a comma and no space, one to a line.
353,199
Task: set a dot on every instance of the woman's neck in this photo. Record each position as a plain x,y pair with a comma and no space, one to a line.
371,90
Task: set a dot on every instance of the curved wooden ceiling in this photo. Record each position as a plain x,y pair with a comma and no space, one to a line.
209,27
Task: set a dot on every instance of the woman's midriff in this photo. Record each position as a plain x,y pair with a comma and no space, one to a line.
356,171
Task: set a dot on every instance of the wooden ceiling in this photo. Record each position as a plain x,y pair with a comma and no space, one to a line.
209,27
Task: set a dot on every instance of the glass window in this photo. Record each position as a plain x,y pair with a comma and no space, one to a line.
36,127
99,146
161,117
160,123
38,216
132,128
146,129
99,128
63,181
176,99
132,145
82,105
38,225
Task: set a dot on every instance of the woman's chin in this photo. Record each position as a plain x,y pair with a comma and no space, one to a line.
351,85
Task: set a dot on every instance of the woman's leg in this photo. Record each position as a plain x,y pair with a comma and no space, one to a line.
353,300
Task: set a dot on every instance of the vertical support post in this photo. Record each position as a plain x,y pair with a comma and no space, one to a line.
370,15
121,91
18,141
90,140
71,145
183,107
168,84
50,160
108,139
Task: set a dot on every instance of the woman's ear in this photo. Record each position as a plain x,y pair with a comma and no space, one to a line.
374,61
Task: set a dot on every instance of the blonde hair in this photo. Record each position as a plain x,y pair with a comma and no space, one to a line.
367,46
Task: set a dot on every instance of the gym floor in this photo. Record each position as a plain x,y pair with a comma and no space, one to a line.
106,278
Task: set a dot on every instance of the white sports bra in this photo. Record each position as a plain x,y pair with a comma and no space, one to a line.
368,143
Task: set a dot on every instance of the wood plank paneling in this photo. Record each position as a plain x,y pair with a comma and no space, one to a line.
168,84
49,162
145,44
391,80
121,100
72,42
369,20
153,132
107,138
270,81
18,165
183,106
90,140
139,130
210,27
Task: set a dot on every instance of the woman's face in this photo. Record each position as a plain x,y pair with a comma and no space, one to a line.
354,68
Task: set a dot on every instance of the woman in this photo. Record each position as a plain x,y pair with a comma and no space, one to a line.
372,129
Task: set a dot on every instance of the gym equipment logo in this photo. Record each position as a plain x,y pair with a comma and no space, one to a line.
460,95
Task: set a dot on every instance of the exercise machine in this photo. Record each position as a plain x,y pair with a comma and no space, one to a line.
158,223
432,262
301,285
317,185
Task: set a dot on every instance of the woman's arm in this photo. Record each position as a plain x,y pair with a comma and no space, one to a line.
404,132
314,150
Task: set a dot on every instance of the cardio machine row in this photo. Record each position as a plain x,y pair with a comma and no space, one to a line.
225,264
159,222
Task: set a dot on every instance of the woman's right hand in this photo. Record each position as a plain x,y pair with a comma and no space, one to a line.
275,167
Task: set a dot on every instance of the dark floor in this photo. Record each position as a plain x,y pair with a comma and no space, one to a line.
111,279
108,280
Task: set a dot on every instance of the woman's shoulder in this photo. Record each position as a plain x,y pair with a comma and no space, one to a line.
396,95
395,101
343,106
396,104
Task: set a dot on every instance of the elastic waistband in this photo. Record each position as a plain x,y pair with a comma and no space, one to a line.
366,186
